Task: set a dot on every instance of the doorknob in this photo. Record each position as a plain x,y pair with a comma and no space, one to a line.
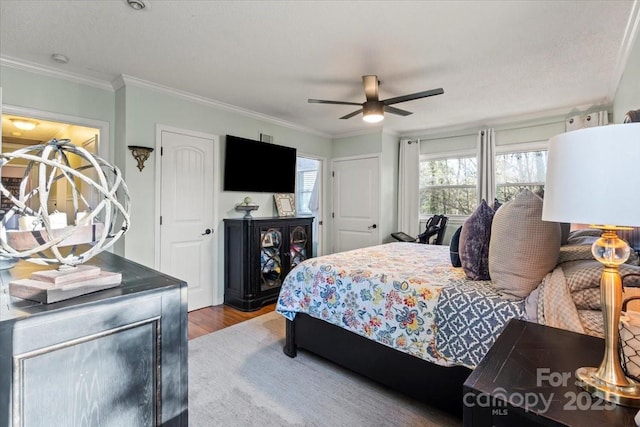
374,226
207,231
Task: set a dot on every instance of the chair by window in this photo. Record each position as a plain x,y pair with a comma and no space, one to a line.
433,233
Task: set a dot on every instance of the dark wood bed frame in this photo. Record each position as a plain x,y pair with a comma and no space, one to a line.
422,380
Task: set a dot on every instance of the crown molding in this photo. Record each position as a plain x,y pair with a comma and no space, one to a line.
626,47
560,113
125,80
118,83
32,67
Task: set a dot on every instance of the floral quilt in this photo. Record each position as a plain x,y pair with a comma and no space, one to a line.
387,293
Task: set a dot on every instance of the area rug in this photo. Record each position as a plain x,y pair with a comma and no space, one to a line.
239,376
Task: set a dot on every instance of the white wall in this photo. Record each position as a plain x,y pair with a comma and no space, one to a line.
389,187
628,93
48,94
132,113
357,145
387,147
147,107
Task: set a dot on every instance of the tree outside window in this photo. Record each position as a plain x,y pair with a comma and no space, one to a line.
448,186
518,171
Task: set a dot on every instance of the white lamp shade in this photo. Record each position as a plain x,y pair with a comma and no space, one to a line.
592,176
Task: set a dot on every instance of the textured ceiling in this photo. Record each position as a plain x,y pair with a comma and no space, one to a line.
495,60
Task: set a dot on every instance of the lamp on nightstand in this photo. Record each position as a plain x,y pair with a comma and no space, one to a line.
592,179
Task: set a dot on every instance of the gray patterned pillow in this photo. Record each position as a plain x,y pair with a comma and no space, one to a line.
574,253
474,243
587,299
583,236
582,274
586,274
523,247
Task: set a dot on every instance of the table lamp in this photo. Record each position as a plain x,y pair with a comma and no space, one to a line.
592,179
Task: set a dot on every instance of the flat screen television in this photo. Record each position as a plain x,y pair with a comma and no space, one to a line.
258,166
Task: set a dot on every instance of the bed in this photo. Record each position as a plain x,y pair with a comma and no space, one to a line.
376,311
402,315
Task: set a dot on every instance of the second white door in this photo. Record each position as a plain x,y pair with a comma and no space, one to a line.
356,203
187,213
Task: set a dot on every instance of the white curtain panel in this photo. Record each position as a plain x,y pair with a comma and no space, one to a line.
597,118
408,187
486,165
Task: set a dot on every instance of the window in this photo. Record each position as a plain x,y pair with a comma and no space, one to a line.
518,171
448,186
306,174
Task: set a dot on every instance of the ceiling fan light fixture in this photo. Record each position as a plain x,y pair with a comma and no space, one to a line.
373,108
24,124
60,58
136,4
373,111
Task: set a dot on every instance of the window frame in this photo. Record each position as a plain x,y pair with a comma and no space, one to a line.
299,191
522,147
454,154
519,147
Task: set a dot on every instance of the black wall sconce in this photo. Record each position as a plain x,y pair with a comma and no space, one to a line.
141,154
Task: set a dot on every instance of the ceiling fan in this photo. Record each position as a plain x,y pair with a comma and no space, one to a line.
373,108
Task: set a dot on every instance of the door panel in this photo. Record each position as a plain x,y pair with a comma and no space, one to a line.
356,189
187,212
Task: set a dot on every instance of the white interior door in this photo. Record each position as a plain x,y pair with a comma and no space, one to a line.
187,213
356,203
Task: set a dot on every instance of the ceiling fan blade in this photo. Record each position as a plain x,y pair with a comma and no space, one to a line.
355,113
394,110
322,101
413,96
370,87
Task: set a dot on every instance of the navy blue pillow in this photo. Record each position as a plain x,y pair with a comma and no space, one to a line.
474,243
453,248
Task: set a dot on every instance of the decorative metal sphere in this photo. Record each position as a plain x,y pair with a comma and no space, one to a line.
101,225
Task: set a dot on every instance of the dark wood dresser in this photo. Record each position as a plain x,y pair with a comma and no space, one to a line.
114,357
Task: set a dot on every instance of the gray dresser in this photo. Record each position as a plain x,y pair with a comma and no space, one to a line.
117,357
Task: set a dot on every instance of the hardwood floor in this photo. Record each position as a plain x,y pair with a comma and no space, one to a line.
214,318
